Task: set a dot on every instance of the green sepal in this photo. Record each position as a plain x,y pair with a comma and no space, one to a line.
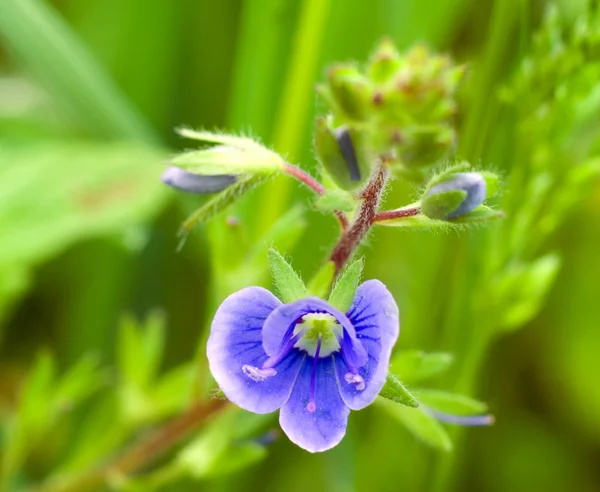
344,289
224,159
320,285
288,283
336,200
439,205
447,173
384,62
331,158
451,402
480,214
219,202
350,89
414,365
492,184
395,391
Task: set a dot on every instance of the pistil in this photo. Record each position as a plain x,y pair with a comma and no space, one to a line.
312,406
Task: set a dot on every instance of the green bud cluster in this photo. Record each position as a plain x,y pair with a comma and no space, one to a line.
397,109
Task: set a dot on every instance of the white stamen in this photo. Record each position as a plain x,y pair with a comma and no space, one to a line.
356,380
257,374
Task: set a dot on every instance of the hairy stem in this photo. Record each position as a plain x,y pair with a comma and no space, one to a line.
144,452
396,214
364,219
314,185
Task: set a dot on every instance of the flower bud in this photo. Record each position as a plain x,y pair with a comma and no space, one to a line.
182,180
350,90
454,196
384,62
337,151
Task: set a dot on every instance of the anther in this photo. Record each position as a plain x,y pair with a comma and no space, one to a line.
355,379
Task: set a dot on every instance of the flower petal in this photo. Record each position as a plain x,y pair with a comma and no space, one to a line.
325,427
235,340
375,317
281,321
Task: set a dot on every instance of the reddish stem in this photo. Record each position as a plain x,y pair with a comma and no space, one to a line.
314,185
396,214
365,217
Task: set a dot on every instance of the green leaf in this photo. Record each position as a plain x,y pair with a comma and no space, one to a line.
419,423
395,391
414,365
344,289
140,349
523,288
287,282
451,402
320,285
336,200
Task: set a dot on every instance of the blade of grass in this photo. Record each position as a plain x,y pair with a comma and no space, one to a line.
50,49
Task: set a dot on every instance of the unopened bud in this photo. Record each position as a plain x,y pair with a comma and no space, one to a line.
337,152
457,195
182,180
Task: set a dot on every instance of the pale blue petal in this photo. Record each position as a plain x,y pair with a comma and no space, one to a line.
326,426
375,317
235,340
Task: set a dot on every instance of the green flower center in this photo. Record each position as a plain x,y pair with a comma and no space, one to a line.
315,328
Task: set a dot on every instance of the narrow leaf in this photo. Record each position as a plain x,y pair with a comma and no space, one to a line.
395,391
344,289
219,202
288,283
451,402
419,423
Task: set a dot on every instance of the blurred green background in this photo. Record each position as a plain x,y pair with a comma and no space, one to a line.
89,95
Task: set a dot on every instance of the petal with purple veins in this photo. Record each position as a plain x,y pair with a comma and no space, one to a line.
235,343
324,427
375,317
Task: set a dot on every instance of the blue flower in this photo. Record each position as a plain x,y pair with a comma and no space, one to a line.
474,188
307,358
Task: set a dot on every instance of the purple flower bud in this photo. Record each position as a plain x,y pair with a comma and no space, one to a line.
196,183
307,358
473,184
342,135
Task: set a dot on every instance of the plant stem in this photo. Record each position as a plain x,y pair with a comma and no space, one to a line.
314,185
143,453
396,214
365,217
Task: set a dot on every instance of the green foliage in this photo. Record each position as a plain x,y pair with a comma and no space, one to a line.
414,366
233,155
395,391
320,285
343,291
287,282
419,423
336,200
530,111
